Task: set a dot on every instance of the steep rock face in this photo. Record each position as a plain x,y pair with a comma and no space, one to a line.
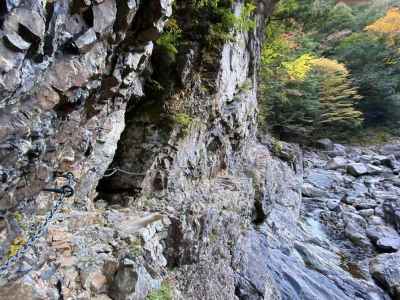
64,96
175,196
197,174
68,70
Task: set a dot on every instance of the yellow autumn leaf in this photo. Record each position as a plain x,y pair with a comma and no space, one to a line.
388,24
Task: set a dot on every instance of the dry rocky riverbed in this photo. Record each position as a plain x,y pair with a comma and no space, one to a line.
353,195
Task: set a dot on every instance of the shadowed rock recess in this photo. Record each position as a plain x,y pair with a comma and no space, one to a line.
176,197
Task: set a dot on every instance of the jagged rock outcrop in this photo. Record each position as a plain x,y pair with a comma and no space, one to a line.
175,195
68,70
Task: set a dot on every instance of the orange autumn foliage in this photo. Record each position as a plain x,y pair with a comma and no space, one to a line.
389,24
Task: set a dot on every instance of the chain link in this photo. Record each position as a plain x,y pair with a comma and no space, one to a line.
116,170
65,192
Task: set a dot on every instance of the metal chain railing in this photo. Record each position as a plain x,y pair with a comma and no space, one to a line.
113,171
65,191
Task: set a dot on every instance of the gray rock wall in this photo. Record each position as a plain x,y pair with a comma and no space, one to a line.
168,205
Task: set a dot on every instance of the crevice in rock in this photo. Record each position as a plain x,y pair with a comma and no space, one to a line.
48,38
173,243
238,293
259,215
49,13
245,289
28,36
88,17
59,289
3,12
65,105
148,129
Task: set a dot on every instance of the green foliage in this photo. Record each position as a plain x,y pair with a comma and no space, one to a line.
277,146
244,22
285,8
278,149
15,246
171,37
337,96
164,293
206,3
245,86
321,57
18,217
228,22
339,17
309,13
184,121
375,67
299,68
370,136
136,247
303,94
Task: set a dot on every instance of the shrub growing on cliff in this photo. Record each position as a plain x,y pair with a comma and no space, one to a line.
171,37
226,20
164,293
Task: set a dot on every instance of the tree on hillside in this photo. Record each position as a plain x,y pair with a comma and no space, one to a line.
321,56
340,17
311,96
338,96
374,61
389,24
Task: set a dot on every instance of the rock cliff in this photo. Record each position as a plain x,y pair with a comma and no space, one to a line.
175,194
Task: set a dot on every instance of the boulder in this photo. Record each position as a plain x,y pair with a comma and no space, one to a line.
387,161
350,200
366,204
391,209
376,232
366,212
17,41
375,220
86,41
338,150
25,289
104,15
336,163
388,244
374,170
27,23
385,269
324,179
308,190
395,181
333,204
9,60
391,149
360,189
325,144
355,229
357,169
270,273
385,195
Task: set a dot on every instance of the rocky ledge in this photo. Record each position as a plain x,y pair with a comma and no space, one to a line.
190,207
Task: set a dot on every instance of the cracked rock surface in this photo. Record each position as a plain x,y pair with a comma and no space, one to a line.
176,195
